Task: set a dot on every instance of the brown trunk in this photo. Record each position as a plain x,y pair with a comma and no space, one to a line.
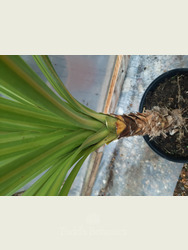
151,122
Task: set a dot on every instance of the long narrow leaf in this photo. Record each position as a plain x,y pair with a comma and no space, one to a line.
16,113
17,77
44,128
15,173
48,70
70,179
14,148
93,139
43,180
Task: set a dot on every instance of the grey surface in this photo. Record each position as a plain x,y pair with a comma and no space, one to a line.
87,78
129,166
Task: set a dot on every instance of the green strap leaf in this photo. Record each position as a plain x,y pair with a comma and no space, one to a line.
40,131
22,170
70,179
17,77
48,70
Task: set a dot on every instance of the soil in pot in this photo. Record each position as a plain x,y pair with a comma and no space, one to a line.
182,184
172,94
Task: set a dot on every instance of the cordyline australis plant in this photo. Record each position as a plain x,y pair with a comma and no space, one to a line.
49,130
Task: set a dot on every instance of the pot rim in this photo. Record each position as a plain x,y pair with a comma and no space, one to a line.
153,85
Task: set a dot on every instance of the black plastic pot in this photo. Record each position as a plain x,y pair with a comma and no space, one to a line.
151,88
